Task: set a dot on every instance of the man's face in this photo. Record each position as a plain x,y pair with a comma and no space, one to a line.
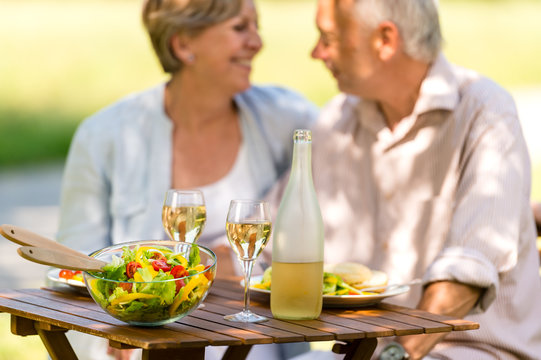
345,47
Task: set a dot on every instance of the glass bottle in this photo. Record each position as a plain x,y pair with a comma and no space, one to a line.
297,253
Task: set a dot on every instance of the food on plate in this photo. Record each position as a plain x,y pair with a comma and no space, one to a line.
150,283
350,272
340,279
358,275
334,285
379,278
71,275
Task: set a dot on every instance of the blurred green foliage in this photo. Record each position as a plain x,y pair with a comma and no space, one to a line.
63,60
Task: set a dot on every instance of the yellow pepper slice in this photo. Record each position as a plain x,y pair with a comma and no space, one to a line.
139,253
152,271
182,260
368,293
203,280
264,286
185,292
137,277
190,286
94,287
131,297
199,267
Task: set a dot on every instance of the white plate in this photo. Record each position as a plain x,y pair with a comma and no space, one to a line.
53,276
341,300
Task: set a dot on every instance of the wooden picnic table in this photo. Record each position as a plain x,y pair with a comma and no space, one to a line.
49,313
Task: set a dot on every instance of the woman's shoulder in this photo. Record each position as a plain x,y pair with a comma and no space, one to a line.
131,111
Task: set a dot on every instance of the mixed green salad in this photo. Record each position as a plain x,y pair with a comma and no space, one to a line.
332,284
149,284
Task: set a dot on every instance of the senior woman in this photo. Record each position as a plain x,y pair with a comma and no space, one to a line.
207,127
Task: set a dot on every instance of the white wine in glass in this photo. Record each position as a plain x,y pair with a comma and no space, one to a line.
248,228
248,240
184,215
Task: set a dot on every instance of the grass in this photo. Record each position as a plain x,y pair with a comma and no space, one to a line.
11,345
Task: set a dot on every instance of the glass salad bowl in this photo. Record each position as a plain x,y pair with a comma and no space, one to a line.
151,283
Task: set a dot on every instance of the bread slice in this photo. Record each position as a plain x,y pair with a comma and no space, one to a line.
350,272
379,278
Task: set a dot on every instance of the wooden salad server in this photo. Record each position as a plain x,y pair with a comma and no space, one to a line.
27,238
60,259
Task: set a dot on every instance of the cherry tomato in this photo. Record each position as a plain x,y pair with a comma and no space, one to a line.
161,264
158,256
179,285
179,271
208,274
131,268
126,286
66,274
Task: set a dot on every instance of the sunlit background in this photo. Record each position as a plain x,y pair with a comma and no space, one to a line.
62,60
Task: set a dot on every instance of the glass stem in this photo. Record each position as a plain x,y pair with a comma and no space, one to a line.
247,267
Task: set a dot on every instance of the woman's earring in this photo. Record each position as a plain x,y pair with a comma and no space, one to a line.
190,59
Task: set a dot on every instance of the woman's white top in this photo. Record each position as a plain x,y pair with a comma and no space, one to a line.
218,196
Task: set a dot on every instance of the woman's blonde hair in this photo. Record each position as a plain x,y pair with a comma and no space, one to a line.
164,18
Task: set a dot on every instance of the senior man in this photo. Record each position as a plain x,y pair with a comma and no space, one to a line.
422,171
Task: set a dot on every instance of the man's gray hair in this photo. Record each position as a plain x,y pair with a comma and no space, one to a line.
417,21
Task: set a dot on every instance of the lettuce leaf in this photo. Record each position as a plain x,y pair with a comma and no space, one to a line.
164,289
128,255
115,270
194,258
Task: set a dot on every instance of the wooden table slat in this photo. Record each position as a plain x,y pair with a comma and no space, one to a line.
402,324
341,332
457,324
398,328
92,322
312,329
247,337
276,333
73,322
233,293
49,298
214,338
232,297
303,333
369,329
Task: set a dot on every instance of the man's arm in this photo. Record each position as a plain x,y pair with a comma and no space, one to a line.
444,298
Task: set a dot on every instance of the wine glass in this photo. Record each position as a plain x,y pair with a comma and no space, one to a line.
248,228
184,214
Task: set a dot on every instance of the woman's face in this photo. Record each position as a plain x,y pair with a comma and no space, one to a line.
224,52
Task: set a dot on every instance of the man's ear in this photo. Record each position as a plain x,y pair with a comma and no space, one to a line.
180,46
387,40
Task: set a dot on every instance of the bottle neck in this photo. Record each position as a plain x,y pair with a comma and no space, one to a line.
302,158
